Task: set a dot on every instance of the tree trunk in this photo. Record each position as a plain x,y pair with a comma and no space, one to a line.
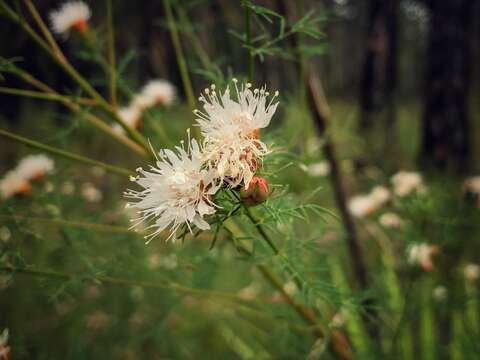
380,65
446,142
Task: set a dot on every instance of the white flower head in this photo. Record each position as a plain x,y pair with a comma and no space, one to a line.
472,184
362,205
471,272
4,348
131,116
421,254
91,193
71,15
440,293
12,184
405,182
390,220
380,194
177,191
231,128
319,169
155,92
34,167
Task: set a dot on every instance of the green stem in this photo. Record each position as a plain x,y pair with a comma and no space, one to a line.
111,54
95,121
70,70
125,282
248,43
44,96
182,64
65,154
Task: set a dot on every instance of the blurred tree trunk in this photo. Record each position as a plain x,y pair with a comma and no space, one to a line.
379,74
446,142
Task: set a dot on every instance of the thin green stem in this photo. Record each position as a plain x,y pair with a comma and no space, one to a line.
248,43
125,282
45,96
65,154
94,120
182,64
111,54
70,70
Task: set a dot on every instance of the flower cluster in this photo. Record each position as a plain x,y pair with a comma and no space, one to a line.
422,255
30,168
405,182
179,190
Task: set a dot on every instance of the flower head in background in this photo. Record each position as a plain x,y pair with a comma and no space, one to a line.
318,169
72,15
231,128
390,220
4,348
155,93
422,255
471,272
363,205
91,193
177,191
34,167
131,116
14,184
405,182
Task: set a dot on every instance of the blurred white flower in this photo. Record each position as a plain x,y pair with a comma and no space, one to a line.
98,171
405,182
471,272
319,169
154,93
231,129
422,254
131,116
290,288
176,191
4,348
472,185
440,293
363,205
91,193
70,15
5,234
249,292
13,184
390,220
33,167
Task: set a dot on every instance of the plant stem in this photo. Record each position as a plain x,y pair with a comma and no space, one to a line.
65,154
70,70
125,282
44,96
248,43
111,54
182,64
95,121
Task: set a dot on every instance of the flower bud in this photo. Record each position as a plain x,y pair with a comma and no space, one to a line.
256,192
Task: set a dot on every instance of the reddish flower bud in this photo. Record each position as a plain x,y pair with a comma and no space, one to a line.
80,26
256,192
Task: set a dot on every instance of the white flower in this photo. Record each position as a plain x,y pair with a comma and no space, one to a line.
380,194
422,255
471,272
131,116
91,193
4,348
155,92
440,293
390,220
405,182
472,185
71,15
363,205
67,188
176,191
12,184
319,169
34,167
232,129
